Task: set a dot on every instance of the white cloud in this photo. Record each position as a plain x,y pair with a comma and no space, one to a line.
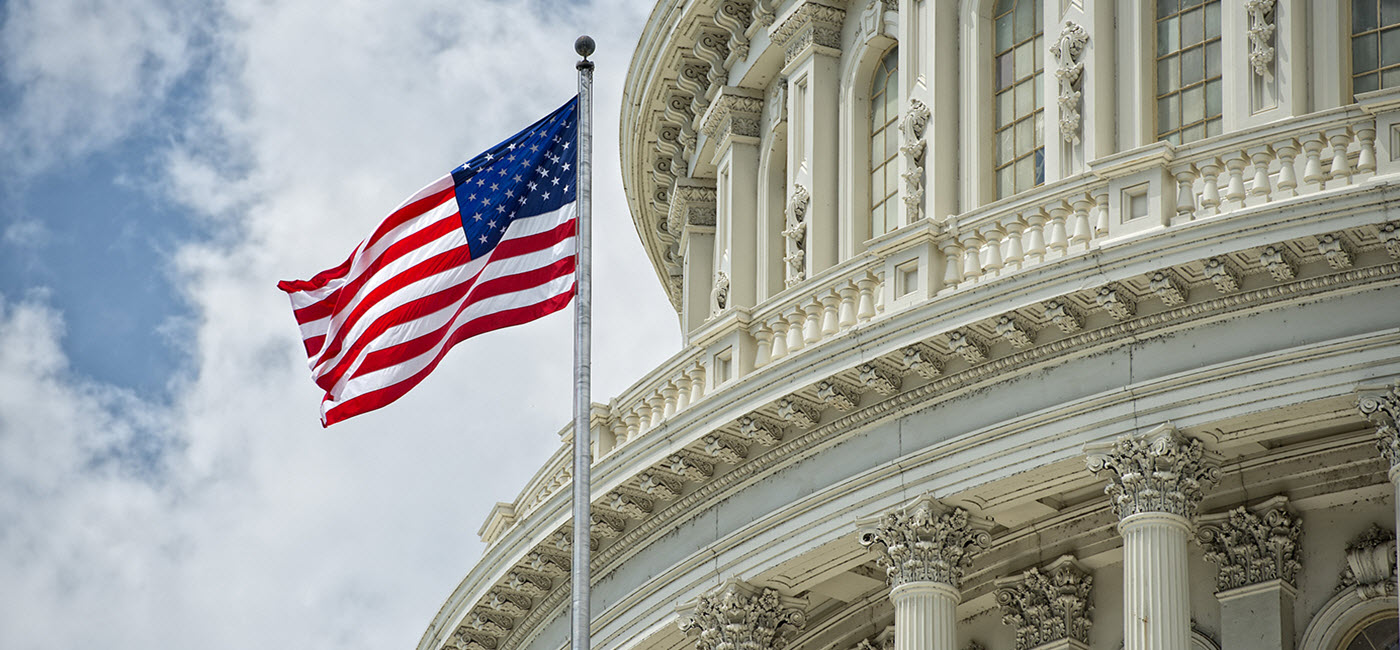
26,234
228,518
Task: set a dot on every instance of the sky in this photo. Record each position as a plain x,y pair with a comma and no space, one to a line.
164,478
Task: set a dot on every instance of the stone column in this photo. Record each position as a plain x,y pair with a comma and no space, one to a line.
810,37
1383,410
1049,607
1257,551
732,123
693,215
925,547
740,616
1154,486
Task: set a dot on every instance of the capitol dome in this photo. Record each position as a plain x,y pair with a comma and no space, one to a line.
1007,323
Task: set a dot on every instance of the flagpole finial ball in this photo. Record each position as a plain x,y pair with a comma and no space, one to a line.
585,46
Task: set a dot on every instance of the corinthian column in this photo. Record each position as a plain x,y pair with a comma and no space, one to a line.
739,616
925,546
1384,411
1155,487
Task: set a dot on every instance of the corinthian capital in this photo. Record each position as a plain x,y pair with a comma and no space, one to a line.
1162,471
740,616
1050,604
1253,545
1383,410
925,541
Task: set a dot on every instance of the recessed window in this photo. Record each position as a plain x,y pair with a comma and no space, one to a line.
1375,45
1135,202
1018,83
906,278
884,145
724,366
1188,70
1381,634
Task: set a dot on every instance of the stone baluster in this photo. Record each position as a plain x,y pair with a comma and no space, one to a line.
812,327
878,291
1155,489
1287,178
952,261
1015,251
1101,224
1058,241
831,303
797,319
1234,188
1210,185
1340,139
846,318
1312,144
741,616
1185,191
865,310
658,410
1383,410
1261,156
697,382
682,387
1366,139
972,257
991,261
1035,238
925,547
1257,552
763,348
633,425
618,426
1082,232
643,410
668,400
780,332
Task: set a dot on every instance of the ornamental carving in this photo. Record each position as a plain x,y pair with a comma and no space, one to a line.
1334,248
1390,238
1118,302
1223,274
834,394
925,541
758,429
1015,331
742,617
1068,51
882,641
1371,563
1279,262
1253,547
1064,315
777,103
1261,34
1168,287
809,25
797,412
795,233
1161,472
732,115
968,346
735,16
878,379
1048,605
719,296
921,362
691,205
1383,410
914,147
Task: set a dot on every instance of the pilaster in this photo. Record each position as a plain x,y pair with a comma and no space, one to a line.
732,123
1257,552
740,616
1049,607
692,213
1155,487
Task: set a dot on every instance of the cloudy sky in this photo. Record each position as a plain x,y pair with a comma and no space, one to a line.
164,480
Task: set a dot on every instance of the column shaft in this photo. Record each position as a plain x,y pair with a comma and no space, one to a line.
925,616
1156,593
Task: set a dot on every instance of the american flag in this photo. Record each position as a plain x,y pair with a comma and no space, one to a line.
487,246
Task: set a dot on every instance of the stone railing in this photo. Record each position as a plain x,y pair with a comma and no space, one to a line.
832,303
670,389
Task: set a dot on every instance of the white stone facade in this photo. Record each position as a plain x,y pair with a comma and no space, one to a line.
1148,403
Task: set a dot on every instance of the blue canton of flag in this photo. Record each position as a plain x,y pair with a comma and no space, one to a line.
529,174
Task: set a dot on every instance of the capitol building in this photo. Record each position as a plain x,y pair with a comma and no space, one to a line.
1009,324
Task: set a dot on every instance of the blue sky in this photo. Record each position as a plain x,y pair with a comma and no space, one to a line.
163,476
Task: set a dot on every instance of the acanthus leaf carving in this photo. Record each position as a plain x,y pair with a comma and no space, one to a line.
968,346
1068,51
1064,315
1049,604
1015,331
1117,301
1162,471
1168,287
837,395
740,616
689,467
925,541
1336,250
810,24
735,16
878,379
1223,274
1389,234
1253,545
757,428
1279,262
1383,410
797,412
724,448
1371,563
659,486
920,361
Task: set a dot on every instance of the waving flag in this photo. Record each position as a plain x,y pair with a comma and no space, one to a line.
489,245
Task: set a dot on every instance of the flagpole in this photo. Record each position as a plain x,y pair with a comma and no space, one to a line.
583,312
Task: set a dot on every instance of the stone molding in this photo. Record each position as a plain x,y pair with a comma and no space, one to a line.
1261,34
1162,471
925,541
1049,604
740,616
1383,410
809,25
1371,563
1253,545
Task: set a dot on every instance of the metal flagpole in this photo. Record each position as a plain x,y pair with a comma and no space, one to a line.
583,312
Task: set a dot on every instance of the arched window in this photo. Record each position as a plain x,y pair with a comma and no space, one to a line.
1378,633
884,145
1188,70
1018,83
1375,45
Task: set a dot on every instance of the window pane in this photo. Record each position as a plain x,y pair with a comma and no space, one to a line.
1039,49
1193,66
1213,60
1004,33
1005,72
1167,114
1365,83
1025,22
1190,3
1005,181
1004,107
1213,98
1390,78
1025,173
1363,16
1192,27
1006,145
1363,53
1213,127
1167,75
1193,133
1390,12
1039,129
1193,105
1004,6
1213,20
1167,40
1025,59
877,149
1166,7
891,141
1025,99
1025,137
891,179
1039,91
1039,166
1390,47
891,102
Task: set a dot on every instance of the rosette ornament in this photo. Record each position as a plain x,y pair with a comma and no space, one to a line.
925,541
